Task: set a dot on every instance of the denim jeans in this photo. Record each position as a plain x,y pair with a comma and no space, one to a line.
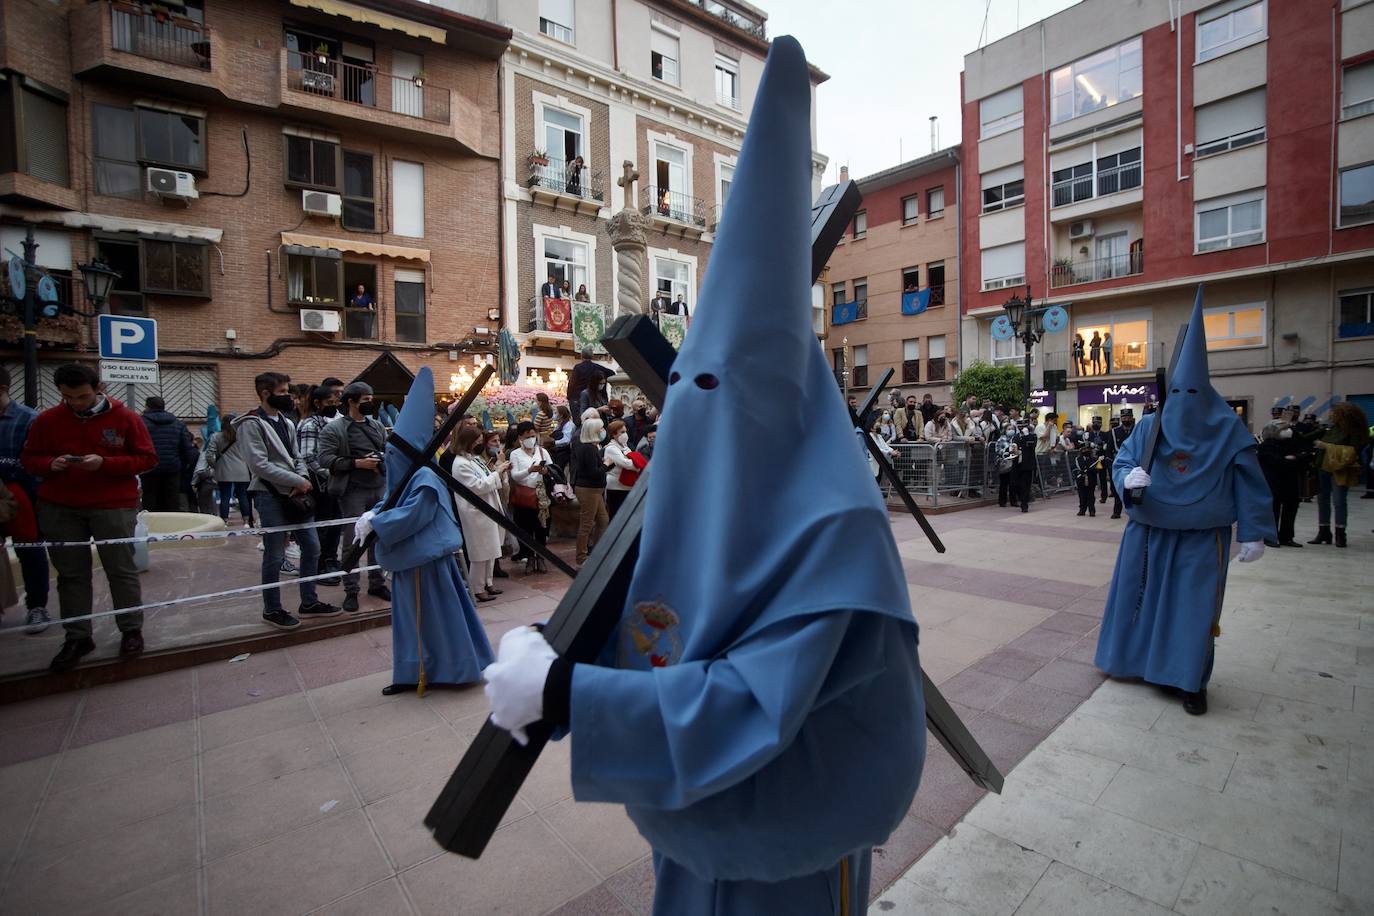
33,564
356,501
274,551
227,491
1327,488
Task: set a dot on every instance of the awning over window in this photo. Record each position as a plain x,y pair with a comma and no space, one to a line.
355,246
305,251
375,17
103,223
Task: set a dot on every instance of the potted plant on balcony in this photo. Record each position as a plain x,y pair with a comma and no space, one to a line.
160,12
419,79
322,53
1063,270
539,157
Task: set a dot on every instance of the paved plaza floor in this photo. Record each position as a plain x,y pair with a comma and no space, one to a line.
286,783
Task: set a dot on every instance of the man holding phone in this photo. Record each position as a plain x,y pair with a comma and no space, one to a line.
89,451
351,447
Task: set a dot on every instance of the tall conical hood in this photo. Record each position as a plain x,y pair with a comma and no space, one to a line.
415,424
760,507
1200,434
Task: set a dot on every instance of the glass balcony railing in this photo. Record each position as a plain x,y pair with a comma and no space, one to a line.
1069,272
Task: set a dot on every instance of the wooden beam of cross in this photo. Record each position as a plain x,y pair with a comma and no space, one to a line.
470,807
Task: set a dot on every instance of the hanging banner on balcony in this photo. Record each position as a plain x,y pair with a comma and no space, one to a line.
915,301
844,312
674,329
589,325
557,315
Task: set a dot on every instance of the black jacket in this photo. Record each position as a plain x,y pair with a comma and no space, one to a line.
175,450
587,467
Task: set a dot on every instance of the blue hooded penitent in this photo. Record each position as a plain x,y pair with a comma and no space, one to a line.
770,722
436,636
1170,576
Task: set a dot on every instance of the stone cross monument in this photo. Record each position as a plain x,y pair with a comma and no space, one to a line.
626,229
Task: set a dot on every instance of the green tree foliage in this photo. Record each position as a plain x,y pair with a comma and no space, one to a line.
1000,384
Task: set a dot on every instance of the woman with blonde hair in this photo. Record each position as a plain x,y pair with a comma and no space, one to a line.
1339,468
589,482
481,536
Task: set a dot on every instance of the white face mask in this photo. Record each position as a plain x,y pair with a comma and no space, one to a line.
623,438
528,443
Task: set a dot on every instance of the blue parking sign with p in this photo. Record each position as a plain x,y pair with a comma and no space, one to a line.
128,338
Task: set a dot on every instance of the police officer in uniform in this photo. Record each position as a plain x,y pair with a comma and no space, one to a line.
1111,443
1024,470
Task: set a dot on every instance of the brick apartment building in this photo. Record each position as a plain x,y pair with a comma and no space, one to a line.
1114,158
904,237
664,84
245,166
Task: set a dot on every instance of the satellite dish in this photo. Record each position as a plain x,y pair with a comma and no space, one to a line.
1002,329
1055,319
18,281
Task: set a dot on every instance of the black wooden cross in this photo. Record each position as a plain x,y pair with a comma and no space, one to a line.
481,789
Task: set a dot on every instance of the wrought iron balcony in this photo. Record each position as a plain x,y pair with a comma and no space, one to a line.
557,176
1068,272
734,18
1080,187
159,36
329,77
665,203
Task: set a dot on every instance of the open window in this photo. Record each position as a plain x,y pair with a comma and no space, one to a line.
126,295
360,308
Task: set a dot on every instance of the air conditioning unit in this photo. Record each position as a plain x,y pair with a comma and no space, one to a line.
322,321
1081,229
171,183
321,203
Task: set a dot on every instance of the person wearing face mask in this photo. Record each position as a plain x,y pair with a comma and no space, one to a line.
351,447
588,477
886,428
267,441
88,452
531,492
616,457
481,536
321,407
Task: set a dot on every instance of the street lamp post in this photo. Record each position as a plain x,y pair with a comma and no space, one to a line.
1026,326
30,320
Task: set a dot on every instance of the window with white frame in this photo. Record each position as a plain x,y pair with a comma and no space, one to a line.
1229,222
556,19
664,55
860,375
935,203
1357,195
727,178
935,358
1230,123
1231,327
566,261
1356,313
911,360
410,305
1009,352
910,209
1004,265
562,136
1357,90
673,279
408,198
839,292
1227,27
1000,113
1097,81
670,182
1003,188
727,82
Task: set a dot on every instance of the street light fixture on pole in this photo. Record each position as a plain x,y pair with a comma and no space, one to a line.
1026,327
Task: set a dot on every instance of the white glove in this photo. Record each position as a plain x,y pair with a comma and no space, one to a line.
1136,478
515,681
1250,551
363,526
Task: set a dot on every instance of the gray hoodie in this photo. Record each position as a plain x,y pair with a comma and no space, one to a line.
267,457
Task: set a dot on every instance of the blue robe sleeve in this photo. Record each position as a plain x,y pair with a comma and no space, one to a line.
1254,501
413,513
668,737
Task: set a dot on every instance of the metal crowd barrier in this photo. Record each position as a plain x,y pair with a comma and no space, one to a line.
961,470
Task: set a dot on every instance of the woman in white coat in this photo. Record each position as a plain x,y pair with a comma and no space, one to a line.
481,536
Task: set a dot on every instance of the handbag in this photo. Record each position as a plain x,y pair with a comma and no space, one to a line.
297,508
523,497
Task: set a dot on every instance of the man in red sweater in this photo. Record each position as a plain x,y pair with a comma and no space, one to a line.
89,451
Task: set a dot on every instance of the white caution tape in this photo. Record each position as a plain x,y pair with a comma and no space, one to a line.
157,605
189,535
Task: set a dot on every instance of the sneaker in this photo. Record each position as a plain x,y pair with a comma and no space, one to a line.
131,643
381,591
37,621
72,651
350,604
319,609
280,619
293,552
289,569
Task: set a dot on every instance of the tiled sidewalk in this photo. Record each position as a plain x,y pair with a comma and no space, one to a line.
287,784
1133,807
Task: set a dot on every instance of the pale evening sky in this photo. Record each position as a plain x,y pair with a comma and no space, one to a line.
892,64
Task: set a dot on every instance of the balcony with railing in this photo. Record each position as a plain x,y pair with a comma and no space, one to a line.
734,17
327,77
1089,190
142,46
1071,271
563,185
674,210
159,36
565,326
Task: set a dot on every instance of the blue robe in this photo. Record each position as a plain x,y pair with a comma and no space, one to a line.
723,806
430,608
1169,582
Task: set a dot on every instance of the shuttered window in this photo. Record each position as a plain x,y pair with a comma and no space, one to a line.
1230,123
37,122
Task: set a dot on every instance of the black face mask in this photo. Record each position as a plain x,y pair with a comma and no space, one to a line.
280,402
367,408
330,411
